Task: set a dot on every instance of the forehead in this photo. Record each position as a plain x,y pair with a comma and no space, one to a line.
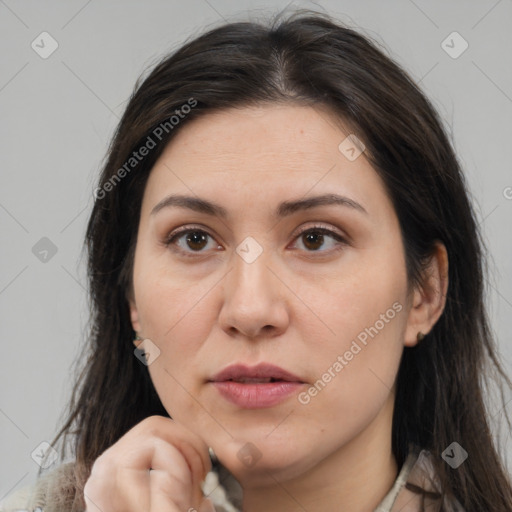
262,132
263,153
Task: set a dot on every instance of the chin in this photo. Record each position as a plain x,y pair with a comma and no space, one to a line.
264,462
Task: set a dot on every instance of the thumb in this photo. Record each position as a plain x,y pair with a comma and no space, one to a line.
206,506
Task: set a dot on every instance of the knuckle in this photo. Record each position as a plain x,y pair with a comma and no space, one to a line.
103,466
152,425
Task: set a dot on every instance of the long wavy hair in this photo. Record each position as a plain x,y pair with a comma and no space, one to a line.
305,58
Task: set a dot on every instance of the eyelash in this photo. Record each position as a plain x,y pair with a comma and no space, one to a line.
319,229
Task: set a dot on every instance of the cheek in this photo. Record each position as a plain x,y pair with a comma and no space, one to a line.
178,318
353,381
364,301
357,355
358,366
175,309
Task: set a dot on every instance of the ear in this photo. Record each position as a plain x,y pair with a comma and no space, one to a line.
429,299
134,316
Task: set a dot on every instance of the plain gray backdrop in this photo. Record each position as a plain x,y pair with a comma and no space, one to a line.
58,113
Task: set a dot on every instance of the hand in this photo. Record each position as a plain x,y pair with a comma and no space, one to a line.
157,466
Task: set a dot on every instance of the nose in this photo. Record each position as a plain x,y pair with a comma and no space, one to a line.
255,304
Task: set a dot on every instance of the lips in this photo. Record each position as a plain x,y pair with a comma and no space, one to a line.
262,373
256,387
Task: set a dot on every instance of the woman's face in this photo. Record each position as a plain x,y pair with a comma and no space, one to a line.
262,283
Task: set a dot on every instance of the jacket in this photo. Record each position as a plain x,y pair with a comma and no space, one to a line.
414,490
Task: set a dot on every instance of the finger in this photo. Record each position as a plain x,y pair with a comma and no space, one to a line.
194,460
179,460
102,492
169,481
113,487
170,477
168,494
206,506
193,448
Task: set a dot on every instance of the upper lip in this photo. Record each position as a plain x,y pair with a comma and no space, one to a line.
260,371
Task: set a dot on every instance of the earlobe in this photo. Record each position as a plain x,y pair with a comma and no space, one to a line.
137,340
134,317
429,299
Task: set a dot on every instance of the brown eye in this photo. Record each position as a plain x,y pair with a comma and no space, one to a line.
189,241
315,238
196,240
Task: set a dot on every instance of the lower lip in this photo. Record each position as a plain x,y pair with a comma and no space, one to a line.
256,395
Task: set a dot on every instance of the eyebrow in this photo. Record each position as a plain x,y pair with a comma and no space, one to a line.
284,209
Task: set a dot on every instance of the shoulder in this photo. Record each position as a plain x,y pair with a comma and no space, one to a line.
37,497
418,486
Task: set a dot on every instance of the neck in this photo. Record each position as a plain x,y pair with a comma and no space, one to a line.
354,478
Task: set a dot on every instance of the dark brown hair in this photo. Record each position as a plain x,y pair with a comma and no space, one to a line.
305,58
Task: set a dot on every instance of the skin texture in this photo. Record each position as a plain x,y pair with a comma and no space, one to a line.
299,305
157,466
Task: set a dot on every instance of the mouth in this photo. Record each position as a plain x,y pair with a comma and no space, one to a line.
261,373
246,380
260,386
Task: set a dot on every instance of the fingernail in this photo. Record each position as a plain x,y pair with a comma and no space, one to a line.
213,457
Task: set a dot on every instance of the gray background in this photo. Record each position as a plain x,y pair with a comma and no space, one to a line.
58,114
